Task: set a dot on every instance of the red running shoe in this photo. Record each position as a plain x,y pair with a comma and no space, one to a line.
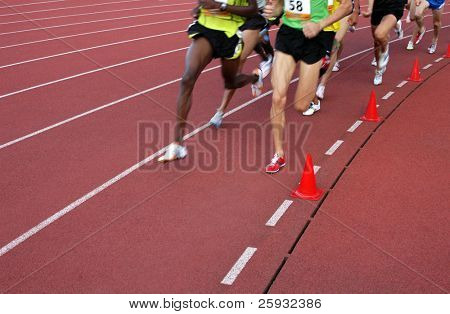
276,164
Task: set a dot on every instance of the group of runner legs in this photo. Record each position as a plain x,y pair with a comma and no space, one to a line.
311,36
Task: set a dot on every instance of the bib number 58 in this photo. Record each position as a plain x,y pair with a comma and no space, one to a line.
296,5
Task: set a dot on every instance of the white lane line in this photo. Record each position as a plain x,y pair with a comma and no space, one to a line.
79,23
26,4
239,266
279,213
154,88
91,13
388,95
90,48
88,72
403,83
439,59
110,182
333,148
94,32
316,169
92,5
354,126
120,176
427,66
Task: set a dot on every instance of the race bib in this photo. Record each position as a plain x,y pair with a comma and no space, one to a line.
330,6
297,9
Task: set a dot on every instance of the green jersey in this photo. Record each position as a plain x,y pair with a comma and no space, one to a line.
298,12
223,20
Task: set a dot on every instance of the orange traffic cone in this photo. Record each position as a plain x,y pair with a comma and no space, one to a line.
307,188
448,51
415,73
371,111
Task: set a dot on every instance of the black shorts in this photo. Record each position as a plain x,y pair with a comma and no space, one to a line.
256,22
310,50
223,46
329,49
380,10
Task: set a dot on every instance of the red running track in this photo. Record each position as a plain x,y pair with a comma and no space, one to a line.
171,229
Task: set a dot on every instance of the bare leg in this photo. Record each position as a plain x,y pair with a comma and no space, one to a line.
282,71
198,57
306,89
250,38
437,22
381,35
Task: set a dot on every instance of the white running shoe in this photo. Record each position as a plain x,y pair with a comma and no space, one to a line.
216,120
320,92
259,84
420,36
336,67
410,45
399,30
374,62
384,58
174,151
432,48
266,66
312,109
378,79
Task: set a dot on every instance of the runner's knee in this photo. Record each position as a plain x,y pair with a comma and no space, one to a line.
188,79
379,35
437,24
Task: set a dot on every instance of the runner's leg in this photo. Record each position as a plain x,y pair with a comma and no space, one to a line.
282,71
199,55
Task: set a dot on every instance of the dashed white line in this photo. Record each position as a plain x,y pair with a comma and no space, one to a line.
354,126
403,83
427,66
279,213
388,95
439,59
238,266
316,169
333,148
105,185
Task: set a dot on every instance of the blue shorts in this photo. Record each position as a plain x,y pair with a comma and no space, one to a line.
436,4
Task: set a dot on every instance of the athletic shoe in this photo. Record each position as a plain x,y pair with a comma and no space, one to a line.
266,66
410,45
399,29
378,79
174,151
432,48
420,36
276,164
352,29
384,59
259,84
216,120
312,109
320,92
374,62
336,67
